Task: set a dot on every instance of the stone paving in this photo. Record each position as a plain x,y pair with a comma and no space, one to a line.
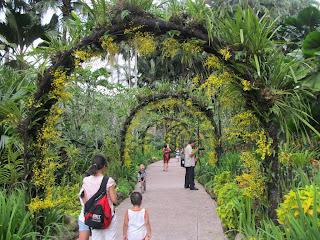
175,213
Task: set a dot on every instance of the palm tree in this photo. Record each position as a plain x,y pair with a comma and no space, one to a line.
18,31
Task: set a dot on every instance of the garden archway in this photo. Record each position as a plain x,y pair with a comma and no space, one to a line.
154,98
143,135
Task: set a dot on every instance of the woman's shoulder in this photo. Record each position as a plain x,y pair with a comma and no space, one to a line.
92,178
111,182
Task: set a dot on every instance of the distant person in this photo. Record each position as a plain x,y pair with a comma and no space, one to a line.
182,157
189,163
91,185
142,178
84,231
166,156
136,221
177,154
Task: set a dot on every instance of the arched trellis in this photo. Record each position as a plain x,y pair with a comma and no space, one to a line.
261,98
157,97
156,26
178,127
117,27
143,135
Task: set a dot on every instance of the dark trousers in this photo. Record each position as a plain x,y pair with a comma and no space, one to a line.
189,177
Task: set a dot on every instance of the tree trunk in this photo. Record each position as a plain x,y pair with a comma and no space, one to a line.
129,70
136,68
273,160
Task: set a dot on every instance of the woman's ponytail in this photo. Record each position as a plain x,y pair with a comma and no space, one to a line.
99,161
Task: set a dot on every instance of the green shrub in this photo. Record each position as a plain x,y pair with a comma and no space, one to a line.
227,193
227,210
14,219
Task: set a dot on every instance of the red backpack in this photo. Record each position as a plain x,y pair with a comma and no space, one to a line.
166,154
97,212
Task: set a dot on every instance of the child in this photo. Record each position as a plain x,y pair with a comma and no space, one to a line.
142,177
136,222
177,154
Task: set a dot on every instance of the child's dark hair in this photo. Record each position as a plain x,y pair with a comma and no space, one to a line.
136,198
99,161
165,145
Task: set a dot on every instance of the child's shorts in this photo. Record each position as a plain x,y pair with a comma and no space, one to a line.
82,226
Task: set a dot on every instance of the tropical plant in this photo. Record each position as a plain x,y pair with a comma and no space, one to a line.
11,165
15,220
18,31
100,11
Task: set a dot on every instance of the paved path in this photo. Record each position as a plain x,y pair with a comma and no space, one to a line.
175,213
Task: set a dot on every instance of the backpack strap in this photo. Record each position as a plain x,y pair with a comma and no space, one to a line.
103,186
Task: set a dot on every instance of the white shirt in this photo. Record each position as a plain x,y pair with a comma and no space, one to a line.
188,161
137,229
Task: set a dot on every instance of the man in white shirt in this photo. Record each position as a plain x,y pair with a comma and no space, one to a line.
189,164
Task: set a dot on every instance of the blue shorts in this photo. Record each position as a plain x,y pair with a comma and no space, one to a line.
83,226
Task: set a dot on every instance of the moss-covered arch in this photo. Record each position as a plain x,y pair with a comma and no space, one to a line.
157,97
143,135
35,118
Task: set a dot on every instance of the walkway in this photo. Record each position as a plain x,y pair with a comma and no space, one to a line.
175,213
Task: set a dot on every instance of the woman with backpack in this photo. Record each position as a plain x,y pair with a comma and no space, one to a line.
166,156
91,185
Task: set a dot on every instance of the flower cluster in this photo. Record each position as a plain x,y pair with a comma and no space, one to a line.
251,179
170,47
58,86
109,46
315,163
214,83
32,102
243,125
246,85
306,203
212,62
82,56
264,146
190,47
144,43
131,30
47,163
10,119
225,53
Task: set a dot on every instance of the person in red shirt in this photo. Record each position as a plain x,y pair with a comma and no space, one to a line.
166,156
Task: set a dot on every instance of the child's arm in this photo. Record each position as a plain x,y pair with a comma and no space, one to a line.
125,226
148,225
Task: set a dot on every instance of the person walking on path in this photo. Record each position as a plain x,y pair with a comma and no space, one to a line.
136,222
91,185
189,163
177,154
142,178
166,156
